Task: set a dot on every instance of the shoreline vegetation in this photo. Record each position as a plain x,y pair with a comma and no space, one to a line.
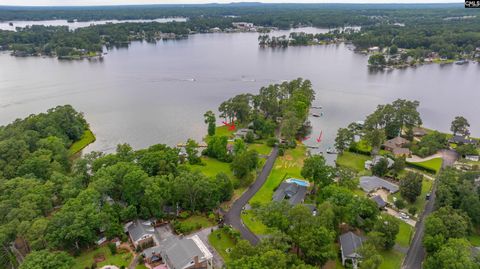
87,138
443,34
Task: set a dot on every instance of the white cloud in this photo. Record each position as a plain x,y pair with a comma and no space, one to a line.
140,2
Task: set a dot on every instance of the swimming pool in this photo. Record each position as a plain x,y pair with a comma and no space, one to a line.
298,182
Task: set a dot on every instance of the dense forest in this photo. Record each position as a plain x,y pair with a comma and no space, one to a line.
449,30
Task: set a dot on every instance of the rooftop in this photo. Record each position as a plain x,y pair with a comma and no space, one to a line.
290,191
180,252
140,229
380,202
372,183
350,243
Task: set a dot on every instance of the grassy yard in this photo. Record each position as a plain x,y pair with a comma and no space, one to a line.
474,240
212,167
199,220
404,235
260,147
391,259
221,241
433,164
86,259
255,225
87,138
352,160
289,165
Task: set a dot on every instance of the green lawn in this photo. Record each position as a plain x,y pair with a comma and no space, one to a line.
391,259
87,138
260,147
404,235
352,160
433,164
141,266
212,167
289,165
255,225
221,241
199,220
474,240
86,259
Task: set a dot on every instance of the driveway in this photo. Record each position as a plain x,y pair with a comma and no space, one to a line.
416,252
396,214
232,217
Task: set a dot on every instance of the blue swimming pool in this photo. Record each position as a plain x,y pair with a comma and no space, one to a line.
298,182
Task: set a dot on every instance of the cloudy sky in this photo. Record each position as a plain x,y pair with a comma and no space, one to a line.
138,2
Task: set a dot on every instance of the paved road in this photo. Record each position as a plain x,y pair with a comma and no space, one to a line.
416,252
233,215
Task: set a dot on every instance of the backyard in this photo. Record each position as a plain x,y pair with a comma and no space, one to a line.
353,161
433,165
86,259
211,167
222,242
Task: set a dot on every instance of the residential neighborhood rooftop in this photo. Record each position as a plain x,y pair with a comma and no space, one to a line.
350,243
291,191
373,183
181,252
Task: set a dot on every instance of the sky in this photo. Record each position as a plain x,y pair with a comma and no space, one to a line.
140,2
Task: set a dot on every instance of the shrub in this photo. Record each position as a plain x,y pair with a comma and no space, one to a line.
281,152
400,203
113,248
184,214
272,141
249,137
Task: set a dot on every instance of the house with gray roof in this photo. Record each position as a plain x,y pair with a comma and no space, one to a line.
350,243
373,183
141,232
292,192
181,253
379,201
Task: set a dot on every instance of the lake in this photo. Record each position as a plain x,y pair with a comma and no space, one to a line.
157,93
5,25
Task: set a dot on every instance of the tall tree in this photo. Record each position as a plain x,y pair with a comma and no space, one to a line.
460,126
343,139
316,170
411,186
47,260
211,121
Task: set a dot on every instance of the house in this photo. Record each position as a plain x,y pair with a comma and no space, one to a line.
374,49
396,146
379,201
474,158
369,164
141,232
293,190
397,142
242,133
419,132
350,243
458,139
180,253
401,152
373,183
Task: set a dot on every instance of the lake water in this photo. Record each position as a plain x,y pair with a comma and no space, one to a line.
5,25
157,93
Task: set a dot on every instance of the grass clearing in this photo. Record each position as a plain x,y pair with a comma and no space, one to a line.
199,221
87,138
221,241
391,259
474,240
261,148
254,224
86,259
404,235
212,167
434,164
353,161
